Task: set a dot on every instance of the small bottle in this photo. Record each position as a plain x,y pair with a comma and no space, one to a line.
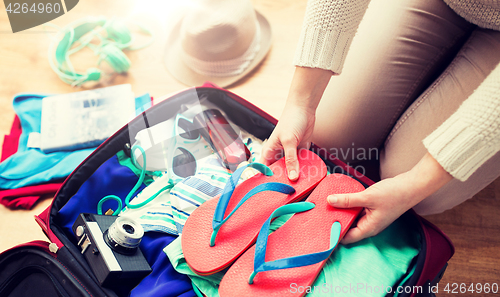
216,130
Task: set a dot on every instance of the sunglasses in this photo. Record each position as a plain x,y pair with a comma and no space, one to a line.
186,149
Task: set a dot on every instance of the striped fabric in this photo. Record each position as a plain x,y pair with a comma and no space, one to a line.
191,192
169,211
157,214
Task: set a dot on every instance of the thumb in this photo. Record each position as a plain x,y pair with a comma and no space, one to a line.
347,200
291,162
270,151
354,235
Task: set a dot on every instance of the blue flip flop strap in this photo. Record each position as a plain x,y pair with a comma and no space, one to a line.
276,187
229,189
221,207
298,261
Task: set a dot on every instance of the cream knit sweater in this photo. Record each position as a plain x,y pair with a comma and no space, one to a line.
471,135
484,13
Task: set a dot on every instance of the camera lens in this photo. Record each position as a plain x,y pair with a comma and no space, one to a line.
124,235
129,229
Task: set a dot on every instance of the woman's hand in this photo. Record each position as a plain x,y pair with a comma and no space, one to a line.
388,199
296,124
293,131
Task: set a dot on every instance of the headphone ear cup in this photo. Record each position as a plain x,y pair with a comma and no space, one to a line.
115,58
119,32
93,74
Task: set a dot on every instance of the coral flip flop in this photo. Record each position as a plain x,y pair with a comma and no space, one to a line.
221,229
293,256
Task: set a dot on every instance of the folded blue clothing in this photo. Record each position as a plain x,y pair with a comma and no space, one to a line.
116,178
164,281
31,166
111,178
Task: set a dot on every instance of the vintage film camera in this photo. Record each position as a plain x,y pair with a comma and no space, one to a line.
111,246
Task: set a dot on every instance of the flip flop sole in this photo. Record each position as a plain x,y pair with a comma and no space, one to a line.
241,230
305,233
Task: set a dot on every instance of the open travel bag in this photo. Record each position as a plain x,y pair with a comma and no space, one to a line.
60,266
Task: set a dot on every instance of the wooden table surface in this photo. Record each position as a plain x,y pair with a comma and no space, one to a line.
473,226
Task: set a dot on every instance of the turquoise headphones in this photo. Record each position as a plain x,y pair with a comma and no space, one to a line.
113,35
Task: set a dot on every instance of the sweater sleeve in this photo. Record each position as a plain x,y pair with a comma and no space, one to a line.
472,134
327,32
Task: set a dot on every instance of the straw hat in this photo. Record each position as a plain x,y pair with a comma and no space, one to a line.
218,41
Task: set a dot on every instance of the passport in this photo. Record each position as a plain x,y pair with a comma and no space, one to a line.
84,119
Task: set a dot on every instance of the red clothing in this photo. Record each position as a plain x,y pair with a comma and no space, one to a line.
24,197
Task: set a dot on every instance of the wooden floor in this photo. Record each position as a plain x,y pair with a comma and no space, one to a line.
474,226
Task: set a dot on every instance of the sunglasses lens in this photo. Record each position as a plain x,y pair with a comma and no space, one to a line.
189,131
184,163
